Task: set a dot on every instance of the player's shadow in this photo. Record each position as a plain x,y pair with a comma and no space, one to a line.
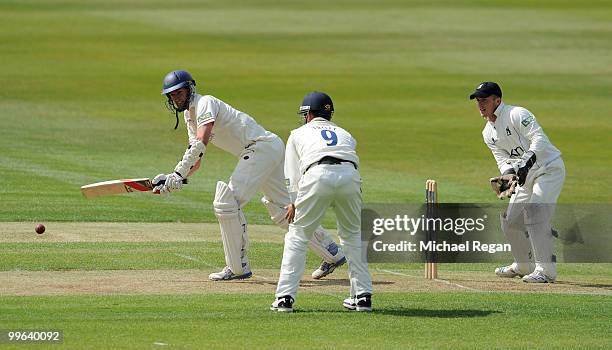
411,312
336,282
306,283
587,285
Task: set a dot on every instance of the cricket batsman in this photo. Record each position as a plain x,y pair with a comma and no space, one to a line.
532,177
260,166
321,164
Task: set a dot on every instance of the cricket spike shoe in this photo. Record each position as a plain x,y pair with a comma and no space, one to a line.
538,277
511,271
226,274
362,302
349,303
327,268
283,304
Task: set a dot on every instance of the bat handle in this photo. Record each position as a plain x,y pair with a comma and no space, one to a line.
163,182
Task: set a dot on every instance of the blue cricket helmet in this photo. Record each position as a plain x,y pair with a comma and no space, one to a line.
175,80
319,103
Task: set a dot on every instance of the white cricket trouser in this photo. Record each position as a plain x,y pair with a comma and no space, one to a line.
261,167
531,209
322,186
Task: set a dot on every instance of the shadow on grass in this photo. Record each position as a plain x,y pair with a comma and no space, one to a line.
307,283
411,312
408,312
588,285
336,282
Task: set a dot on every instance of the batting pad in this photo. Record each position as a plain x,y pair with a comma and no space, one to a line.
325,247
277,213
321,242
232,225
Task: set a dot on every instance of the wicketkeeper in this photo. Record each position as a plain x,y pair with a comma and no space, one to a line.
532,177
260,166
321,164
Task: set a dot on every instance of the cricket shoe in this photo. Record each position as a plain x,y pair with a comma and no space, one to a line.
226,274
538,277
510,271
327,268
283,304
361,302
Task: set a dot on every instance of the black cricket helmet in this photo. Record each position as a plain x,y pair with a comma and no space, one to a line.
173,81
319,103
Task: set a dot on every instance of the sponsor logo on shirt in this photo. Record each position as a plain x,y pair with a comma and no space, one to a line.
527,120
204,117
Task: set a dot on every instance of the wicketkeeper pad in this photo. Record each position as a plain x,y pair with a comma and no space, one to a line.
537,220
516,234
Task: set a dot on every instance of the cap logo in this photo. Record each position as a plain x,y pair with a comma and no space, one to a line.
327,108
480,86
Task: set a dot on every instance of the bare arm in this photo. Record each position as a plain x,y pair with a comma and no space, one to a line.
204,132
195,167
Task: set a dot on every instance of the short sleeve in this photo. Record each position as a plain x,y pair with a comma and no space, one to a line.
207,111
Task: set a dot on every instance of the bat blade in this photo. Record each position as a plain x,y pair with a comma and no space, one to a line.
107,188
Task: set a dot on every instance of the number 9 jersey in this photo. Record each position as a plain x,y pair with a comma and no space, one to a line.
311,142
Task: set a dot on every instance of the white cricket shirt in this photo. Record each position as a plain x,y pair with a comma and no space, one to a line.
515,132
233,130
313,141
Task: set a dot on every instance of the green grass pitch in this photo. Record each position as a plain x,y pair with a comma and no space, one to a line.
80,103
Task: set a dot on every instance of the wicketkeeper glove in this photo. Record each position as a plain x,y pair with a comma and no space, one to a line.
529,159
504,185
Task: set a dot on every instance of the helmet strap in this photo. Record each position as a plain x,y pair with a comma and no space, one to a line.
173,108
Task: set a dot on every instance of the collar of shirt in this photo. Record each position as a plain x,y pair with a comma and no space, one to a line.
499,113
319,119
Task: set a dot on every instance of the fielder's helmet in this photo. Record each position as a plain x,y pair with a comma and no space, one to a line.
319,103
176,80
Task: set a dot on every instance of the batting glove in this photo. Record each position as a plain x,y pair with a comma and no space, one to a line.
158,183
174,182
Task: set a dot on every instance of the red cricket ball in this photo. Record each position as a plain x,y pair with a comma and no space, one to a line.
40,229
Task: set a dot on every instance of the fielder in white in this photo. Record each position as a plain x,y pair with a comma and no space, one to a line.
532,176
260,156
321,164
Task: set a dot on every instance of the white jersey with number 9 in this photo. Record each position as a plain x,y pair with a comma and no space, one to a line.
313,141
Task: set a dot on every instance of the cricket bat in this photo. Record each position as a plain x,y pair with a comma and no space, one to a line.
107,188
